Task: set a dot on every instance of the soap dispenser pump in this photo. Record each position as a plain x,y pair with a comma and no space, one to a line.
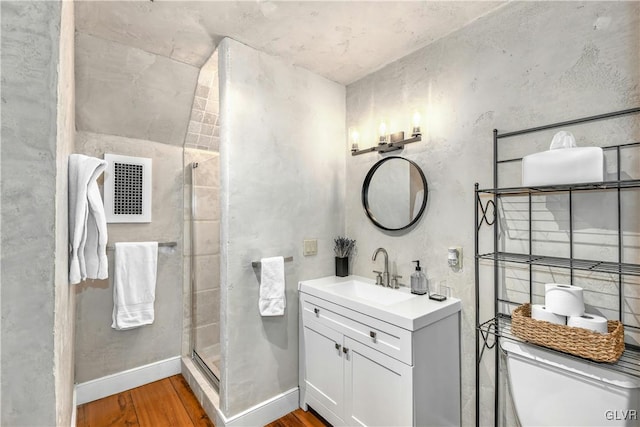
418,281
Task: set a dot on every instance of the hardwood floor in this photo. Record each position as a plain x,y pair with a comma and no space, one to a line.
300,418
168,402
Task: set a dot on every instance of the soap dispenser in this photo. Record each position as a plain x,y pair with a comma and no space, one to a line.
418,281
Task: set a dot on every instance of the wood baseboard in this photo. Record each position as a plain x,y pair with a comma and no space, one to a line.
264,412
126,380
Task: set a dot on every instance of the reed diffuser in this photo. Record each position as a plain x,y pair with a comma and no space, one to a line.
343,249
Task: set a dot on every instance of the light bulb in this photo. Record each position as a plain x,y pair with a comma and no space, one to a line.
382,130
416,119
355,138
416,124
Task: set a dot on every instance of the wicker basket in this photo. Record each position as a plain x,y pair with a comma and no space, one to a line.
577,341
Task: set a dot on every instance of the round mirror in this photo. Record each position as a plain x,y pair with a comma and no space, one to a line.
394,193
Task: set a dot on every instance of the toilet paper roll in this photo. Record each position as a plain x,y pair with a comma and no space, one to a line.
589,321
564,299
541,312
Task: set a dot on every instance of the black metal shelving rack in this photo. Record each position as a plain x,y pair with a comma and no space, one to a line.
499,326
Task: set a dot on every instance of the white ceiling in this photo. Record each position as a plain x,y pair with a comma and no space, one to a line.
341,40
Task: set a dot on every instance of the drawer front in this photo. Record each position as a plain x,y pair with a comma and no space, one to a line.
388,339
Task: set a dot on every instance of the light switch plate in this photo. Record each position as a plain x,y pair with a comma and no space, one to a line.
310,247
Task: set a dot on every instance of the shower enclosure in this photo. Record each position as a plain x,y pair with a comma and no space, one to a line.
202,223
205,265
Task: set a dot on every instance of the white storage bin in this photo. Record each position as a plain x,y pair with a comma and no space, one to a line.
563,166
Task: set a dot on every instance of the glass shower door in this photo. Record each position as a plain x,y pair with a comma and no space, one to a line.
205,265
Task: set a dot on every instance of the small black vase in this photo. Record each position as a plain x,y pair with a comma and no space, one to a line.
342,266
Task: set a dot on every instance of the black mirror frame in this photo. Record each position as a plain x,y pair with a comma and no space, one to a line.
365,195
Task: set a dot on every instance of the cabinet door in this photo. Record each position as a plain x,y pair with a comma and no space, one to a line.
324,368
378,388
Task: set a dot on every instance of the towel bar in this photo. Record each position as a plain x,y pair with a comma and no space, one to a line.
160,245
256,264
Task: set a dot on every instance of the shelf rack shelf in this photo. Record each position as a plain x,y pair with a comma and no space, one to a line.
523,191
499,326
571,263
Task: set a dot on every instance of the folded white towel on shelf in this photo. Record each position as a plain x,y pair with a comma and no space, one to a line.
272,300
87,221
134,284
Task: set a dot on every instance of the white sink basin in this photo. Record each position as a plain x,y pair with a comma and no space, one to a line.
369,292
395,306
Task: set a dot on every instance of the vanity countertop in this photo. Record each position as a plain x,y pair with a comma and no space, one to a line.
395,306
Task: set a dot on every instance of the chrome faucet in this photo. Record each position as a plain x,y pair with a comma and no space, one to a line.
385,274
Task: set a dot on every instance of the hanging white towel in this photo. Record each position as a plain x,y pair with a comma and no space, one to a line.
134,284
87,223
272,298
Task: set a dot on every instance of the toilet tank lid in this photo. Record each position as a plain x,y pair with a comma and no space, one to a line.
569,363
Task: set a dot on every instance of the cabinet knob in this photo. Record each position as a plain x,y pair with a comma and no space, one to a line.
316,311
372,334
345,350
338,346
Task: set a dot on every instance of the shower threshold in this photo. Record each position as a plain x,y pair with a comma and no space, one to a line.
210,367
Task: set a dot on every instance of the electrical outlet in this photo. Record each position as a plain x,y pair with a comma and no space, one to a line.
454,257
310,247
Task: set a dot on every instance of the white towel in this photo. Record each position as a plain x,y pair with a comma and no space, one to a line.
134,284
272,298
87,221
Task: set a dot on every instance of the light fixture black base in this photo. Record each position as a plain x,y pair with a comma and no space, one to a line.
385,148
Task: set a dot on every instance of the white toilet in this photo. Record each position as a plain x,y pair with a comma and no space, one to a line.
549,389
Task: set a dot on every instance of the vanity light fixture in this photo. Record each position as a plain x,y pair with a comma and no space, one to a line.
389,142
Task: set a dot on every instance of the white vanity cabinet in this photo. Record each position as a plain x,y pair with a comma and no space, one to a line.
359,370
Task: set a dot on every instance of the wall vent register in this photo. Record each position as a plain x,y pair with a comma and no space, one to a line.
127,189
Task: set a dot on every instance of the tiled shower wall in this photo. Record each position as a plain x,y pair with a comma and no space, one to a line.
204,128
202,146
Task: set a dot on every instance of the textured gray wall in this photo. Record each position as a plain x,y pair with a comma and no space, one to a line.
101,350
37,135
136,103
282,172
527,64
125,91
